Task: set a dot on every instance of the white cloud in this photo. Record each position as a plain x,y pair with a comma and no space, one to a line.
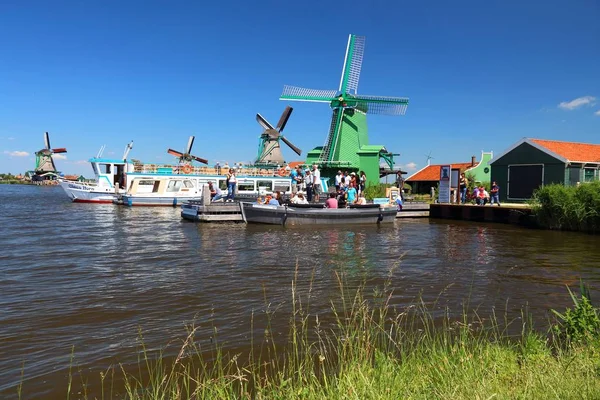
11,138
59,156
578,102
17,153
411,166
597,113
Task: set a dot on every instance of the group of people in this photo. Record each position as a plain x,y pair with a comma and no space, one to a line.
307,182
479,193
217,194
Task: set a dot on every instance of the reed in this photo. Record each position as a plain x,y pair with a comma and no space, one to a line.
369,350
574,208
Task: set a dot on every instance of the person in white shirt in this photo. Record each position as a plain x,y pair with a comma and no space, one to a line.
338,180
299,199
316,178
309,185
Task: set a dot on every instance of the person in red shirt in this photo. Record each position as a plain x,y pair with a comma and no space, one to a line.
331,201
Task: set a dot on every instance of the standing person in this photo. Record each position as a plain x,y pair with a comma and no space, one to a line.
316,176
463,184
338,180
231,185
400,184
363,181
309,185
495,194
294,176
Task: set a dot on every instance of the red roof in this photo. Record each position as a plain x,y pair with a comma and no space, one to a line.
432,172
572,151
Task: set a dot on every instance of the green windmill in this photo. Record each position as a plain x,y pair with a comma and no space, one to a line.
347,145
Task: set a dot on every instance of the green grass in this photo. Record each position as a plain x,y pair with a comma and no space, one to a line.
574,208
368,351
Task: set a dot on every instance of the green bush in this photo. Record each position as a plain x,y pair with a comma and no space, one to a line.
580,323
575,208
374,191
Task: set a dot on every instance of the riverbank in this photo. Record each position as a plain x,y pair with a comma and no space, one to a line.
370,351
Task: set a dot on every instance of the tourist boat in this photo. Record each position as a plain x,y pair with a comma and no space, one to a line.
161,191
315,214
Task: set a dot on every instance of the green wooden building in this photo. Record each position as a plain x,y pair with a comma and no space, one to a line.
532,163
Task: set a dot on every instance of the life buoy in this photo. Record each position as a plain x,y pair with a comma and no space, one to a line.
187,169
282,172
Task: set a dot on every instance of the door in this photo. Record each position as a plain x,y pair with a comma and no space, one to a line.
523,180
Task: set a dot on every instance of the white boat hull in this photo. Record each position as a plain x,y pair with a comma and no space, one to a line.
165,201
85,193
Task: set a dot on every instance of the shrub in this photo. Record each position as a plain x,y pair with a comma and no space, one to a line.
580,323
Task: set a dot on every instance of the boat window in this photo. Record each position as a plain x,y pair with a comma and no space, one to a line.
247,186
156,186
188,184
105,168
173,186
222,184
95,168
265,185
146,182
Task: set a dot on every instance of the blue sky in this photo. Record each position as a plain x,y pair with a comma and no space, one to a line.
480,75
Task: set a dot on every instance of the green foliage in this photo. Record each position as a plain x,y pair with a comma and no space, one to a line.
580,323
375,190
575,208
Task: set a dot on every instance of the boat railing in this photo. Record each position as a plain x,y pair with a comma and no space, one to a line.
192,170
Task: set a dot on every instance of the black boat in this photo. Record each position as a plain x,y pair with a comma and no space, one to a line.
315,214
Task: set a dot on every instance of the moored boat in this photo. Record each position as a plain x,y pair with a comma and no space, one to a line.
161,191
315,214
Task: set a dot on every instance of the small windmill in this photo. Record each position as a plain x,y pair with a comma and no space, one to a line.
269,149
429,158
44,164
347,140
187,158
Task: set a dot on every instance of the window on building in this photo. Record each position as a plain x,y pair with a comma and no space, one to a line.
589,174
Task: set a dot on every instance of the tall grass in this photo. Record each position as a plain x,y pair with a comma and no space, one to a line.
369,350
574,208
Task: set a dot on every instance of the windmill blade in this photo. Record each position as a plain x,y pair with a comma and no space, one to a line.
175,153
263,122
200,160
127,150
190,144
284,118
379,104
302,94
352,64
47,140
291,146
59,150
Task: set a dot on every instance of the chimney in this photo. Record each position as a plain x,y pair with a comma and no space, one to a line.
473,161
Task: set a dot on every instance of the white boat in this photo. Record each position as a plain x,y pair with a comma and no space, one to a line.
161,191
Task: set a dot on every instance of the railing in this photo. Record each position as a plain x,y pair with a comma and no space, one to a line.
190,170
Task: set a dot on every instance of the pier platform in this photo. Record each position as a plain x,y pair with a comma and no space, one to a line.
414,210
509,214
214,212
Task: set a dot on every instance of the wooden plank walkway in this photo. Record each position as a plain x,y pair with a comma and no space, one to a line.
414,210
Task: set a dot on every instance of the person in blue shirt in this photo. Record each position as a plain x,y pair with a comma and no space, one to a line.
351,194
295,175
495,194
271,201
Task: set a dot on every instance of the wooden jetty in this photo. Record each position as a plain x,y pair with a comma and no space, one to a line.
509,214
214,212
414,210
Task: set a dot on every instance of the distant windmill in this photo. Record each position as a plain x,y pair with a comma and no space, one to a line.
44,164
187,157
429,158
269,149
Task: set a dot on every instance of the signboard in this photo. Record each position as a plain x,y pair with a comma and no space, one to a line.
381,200
444,187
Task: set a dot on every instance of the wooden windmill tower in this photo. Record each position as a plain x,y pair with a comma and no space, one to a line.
269,147
44,164
347,145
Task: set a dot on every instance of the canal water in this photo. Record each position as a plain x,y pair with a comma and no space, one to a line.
81,281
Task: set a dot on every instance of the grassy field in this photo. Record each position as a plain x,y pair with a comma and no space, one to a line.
372,352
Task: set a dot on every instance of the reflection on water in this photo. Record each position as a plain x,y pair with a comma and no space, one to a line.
90,275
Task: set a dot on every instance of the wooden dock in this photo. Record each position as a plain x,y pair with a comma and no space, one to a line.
214,212
414,210
509,214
